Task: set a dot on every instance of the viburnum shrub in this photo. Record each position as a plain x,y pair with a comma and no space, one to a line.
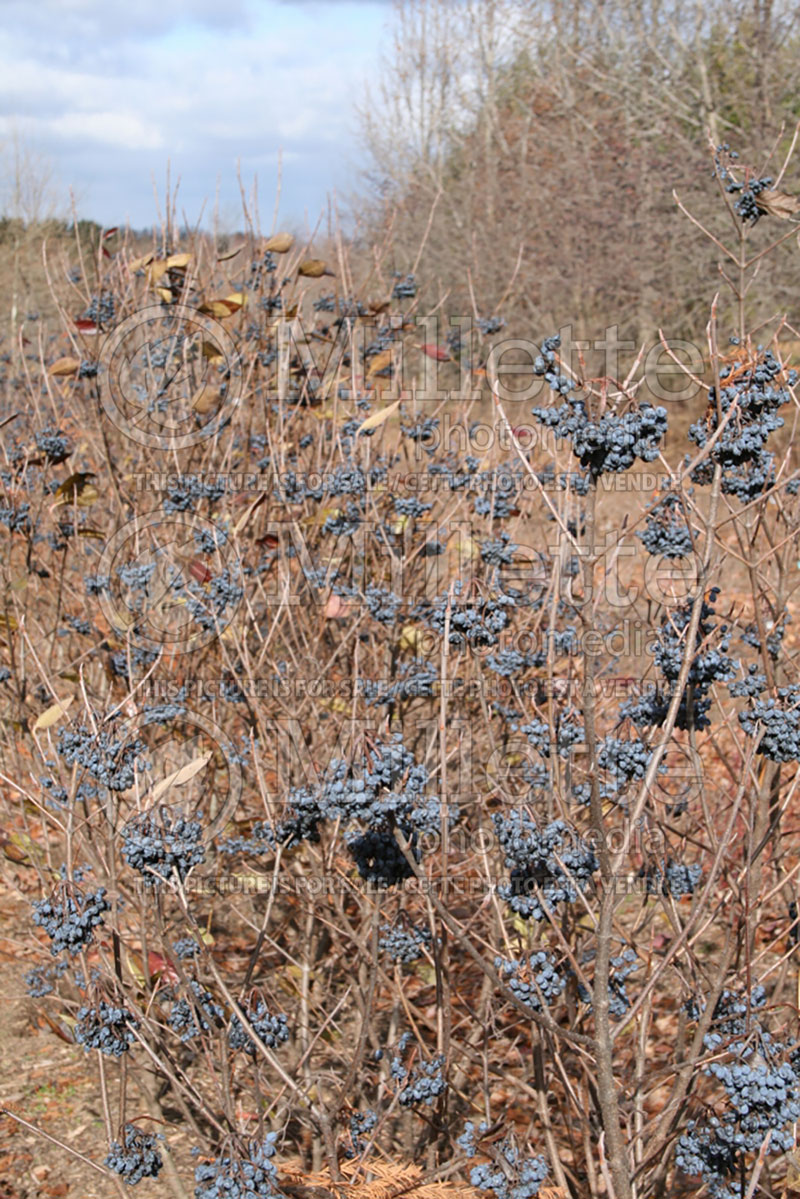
387,801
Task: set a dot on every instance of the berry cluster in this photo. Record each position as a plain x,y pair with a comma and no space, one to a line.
212,603
732,1018
569,732
70,922
240,1176
675,878
775,636
106,1028
609,444
384,791
476,623
184,494
522,1178
360,1123
272,1030
185,948
188,1017
382,604
137,1157
534,980
776,722
405,288
626,758
404,944
710,664
157,847
39,980
53,444
667,534
112,762
425,1082
548,866
753,392
747,206
622,967
761,1098
101,309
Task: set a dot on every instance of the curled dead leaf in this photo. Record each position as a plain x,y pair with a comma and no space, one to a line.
279,243
777,203
377,418
65,366
314,268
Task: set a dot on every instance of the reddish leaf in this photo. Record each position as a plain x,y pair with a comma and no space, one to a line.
198,570
110,232
86,326
161,967
438,353
105,252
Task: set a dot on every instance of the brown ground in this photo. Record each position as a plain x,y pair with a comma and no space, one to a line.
50,1084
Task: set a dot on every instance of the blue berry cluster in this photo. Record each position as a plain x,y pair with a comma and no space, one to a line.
674,878
626,758
425,1083
761,1096
70,922
106,1028
667,534
533,980
754,683
113,762
54,444
569,732
548,866
710,665
101,308
157,847
732,1018
251,1175
609,444
776,722
622,966
212,602
775,636
403,944
39,980
383,605
747,206
359,1124
272,1030
137,1157
754,390
382,792
16,520
185,948
189,1017
189,490
404,288
474,623
521,1180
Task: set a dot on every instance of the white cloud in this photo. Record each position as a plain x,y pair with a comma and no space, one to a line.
122,130
203,83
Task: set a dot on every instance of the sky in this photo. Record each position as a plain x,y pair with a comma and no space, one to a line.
105,92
